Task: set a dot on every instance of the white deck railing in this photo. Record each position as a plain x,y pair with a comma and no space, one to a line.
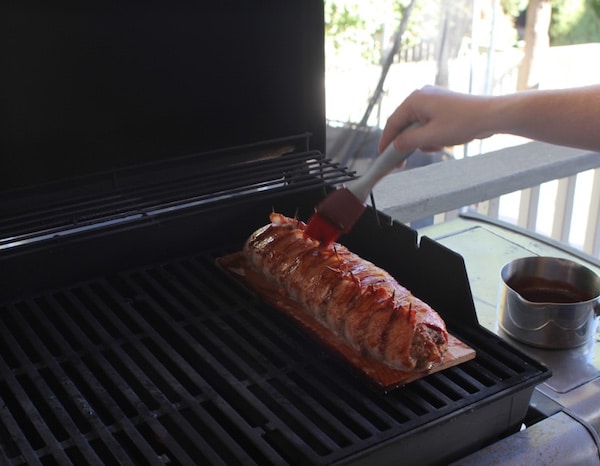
441,190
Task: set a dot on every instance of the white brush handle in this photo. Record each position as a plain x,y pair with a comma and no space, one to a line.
389,159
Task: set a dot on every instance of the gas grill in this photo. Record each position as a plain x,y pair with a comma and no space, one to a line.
121,341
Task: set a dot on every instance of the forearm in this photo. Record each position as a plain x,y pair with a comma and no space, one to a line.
569,117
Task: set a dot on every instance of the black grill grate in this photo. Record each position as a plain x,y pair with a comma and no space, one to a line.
173,364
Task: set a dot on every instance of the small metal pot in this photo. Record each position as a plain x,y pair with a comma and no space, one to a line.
548,302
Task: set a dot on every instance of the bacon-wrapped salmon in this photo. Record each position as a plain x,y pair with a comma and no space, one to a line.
361,304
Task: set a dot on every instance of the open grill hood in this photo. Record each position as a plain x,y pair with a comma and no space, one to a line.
89,88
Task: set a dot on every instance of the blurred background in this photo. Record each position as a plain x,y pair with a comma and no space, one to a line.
379,51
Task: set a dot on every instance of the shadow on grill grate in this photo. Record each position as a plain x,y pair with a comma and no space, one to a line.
173,364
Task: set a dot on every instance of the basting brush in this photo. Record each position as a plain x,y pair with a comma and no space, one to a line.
339,211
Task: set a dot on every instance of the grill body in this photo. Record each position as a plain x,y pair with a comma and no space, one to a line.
142,142
128,344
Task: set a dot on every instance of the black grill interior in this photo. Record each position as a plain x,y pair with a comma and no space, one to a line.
176,364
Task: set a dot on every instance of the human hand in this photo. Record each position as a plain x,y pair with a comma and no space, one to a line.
445,118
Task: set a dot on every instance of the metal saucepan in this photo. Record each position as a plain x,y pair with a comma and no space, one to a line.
548,302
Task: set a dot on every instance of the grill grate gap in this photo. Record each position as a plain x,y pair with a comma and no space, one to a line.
507,361
234,397
162,446
354,397
290,452
195,275
41,404
94,305
200,451
83,331
242,450
444,384
104,453
274,331
262,348
58,390
177,374
20,418
180,295
340,411
47,460
499,359
312,411
479,373
215,286
76,456
148,289
293,419
156,441
136,382
224,349
8,448
89,400
430,394
463,380
105,383
115,302
413,400
152,373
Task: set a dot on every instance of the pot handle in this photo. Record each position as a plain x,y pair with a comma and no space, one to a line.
597,307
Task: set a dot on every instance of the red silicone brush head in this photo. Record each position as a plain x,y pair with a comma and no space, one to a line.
336,214
322,229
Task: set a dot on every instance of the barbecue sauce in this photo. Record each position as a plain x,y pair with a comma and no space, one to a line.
541,290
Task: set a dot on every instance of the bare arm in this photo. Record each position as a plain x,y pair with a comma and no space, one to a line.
569,117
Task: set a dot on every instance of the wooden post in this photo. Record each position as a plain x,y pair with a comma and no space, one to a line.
537,43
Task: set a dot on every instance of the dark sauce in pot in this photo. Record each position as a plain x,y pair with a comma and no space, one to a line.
541,290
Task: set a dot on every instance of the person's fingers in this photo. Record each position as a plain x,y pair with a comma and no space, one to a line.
399,120
409,139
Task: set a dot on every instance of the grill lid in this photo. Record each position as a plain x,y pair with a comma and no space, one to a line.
91,89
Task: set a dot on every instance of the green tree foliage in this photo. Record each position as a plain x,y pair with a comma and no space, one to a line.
596,7
513,7
359,25
575,22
